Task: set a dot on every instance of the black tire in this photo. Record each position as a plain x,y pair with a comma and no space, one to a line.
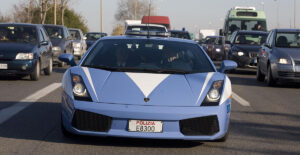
48,70
270,80
259,75
35,75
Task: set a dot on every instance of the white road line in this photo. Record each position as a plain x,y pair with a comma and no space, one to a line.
7,113
240,100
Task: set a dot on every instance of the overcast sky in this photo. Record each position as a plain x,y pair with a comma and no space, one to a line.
191,14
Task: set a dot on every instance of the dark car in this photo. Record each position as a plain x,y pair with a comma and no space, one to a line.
208,43
216,47
61,40
180,34
91,37
279,57
245,46
25,49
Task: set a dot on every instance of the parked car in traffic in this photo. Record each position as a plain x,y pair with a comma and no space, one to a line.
180,34
25,49
79,43
61,40
245,46
162,88
208,42
279,57
91,37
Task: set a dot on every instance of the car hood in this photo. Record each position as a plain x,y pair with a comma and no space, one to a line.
10,50
136,88
293,53
247,48
56,41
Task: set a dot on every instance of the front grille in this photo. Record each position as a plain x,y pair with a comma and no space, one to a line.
253,54
289,74
297,62
88,121
207,125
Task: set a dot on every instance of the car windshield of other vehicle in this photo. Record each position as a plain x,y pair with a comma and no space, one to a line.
54,32
249,25
75,34
93,36
250,39
182,35
288,39
137,55
219,41
21,34
145,28
210,40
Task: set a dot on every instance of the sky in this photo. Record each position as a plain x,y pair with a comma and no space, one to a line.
191,14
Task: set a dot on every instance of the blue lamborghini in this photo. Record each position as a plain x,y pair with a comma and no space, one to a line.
146,87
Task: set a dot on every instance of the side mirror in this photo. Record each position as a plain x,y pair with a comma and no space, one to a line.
68,58
44,43
227,65
267,45
221,33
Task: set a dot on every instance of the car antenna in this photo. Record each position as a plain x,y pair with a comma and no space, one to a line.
148,29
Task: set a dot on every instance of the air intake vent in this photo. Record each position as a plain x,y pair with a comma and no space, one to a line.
208,125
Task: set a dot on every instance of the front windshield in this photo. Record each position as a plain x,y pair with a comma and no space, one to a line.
54,32
288,39
249,25
75,34
210,40
145,28
93,36
250,39
182,35
21,34
137,55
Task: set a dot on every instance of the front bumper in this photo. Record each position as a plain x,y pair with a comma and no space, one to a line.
171,116
286,72
18,67
244,61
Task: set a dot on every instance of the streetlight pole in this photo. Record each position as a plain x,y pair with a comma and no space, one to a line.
101,13
294,13
135,5
54,12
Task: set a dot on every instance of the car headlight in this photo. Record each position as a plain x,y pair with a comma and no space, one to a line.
218,50
56,48
24,56
214,94
284,61
79,89
76,45
240,53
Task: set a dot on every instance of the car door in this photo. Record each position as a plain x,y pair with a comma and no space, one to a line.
68,41
266,52
42,49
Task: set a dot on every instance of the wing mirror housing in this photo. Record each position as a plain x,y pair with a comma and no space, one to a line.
227,65
68,58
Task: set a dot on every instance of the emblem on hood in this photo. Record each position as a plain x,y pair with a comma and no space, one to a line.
146,99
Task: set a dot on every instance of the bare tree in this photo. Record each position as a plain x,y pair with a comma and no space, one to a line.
44,6
132,9
63,5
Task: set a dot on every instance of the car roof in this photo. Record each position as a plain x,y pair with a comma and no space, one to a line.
54,25
96,32
74,29
125,37
253,32
21,24
179,31
154,25
287,30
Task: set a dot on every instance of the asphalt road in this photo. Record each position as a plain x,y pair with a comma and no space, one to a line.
264,120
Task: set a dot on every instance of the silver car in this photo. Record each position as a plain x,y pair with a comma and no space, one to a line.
79,43
279,57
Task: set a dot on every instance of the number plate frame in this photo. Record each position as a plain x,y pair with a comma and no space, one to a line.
146,126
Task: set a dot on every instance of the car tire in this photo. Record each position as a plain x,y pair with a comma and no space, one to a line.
259,75
35,75
270,80
48,70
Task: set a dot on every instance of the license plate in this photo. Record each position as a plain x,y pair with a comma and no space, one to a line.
3,66
145,126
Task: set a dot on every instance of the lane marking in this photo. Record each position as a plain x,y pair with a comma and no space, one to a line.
7,113
240,100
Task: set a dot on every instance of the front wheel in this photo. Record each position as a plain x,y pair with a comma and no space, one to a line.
48,70
270,80
259,75
35,75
